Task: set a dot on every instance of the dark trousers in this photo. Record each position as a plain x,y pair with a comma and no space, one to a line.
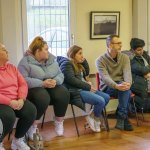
58,97
26,117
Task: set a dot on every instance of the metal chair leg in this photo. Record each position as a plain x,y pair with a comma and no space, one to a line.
10,134
106,119
142,114
137,120
27,139
43,120
75,120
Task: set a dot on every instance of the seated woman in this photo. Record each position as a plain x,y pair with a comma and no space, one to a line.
75,98
74,80
13,103
44,78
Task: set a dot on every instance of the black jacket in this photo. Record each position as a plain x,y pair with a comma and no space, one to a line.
138,68
73,80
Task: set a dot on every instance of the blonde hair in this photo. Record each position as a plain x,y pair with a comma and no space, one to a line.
71,55
37,43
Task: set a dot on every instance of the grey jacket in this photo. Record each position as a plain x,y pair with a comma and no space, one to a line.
111,71
35,73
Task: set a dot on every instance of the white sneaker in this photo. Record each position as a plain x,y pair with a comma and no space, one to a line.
19,144
90,112
94,125
102,124
59,128
97,126
31,131
1,146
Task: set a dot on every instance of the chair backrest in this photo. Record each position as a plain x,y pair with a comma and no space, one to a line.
97,81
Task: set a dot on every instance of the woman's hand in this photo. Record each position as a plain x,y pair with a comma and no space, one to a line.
49,83
93,89
90,83
20,104
147,76
16,104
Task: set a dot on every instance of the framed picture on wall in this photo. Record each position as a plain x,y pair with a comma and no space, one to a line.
104,23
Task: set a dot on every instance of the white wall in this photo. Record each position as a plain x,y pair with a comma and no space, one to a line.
94,48
0,25
10,13
141,20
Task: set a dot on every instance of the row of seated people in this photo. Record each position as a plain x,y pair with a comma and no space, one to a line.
27,93
131,70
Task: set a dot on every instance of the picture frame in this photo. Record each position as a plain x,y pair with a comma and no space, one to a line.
104,23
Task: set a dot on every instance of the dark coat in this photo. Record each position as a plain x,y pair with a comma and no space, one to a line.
140,84
138,68
73,80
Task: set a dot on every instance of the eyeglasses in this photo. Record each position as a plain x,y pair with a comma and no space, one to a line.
119,43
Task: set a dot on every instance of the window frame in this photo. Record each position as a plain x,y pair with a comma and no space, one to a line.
72,20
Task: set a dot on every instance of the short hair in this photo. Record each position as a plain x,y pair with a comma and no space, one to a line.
110,38
135,43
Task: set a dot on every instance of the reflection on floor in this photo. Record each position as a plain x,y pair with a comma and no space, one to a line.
139,139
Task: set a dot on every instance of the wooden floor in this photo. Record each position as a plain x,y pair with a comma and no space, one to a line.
139,139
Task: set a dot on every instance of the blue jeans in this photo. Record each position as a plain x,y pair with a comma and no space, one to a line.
98,99
123,97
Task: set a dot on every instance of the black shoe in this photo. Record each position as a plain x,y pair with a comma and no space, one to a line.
120,124
127,125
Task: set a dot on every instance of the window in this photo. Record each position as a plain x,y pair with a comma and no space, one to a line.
50,19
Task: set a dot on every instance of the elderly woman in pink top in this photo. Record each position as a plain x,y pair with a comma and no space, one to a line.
13,103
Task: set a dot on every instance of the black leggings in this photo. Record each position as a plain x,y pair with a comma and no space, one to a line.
26,117
58,97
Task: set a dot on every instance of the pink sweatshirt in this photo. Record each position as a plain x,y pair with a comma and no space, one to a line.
12,84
